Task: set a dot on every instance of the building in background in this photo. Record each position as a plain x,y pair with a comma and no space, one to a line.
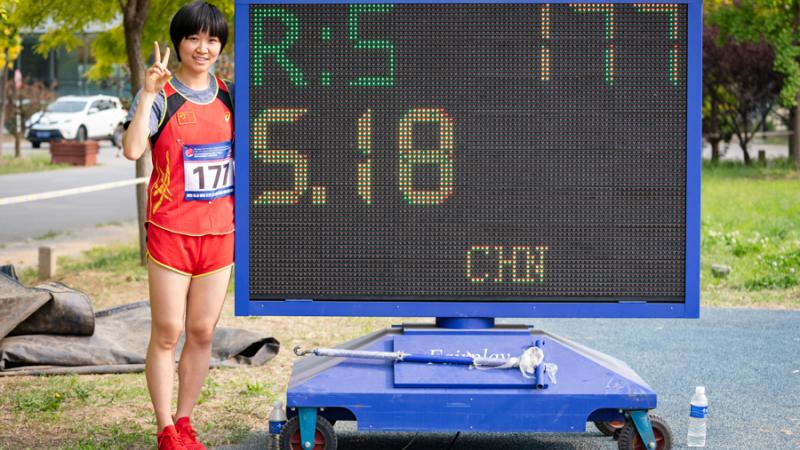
64,70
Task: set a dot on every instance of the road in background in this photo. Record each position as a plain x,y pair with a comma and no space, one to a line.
37,218
733,151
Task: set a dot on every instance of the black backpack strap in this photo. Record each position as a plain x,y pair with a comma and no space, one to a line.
174,102
225,96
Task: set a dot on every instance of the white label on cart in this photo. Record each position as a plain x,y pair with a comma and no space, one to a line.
208,171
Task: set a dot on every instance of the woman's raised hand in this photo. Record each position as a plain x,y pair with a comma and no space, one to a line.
157,75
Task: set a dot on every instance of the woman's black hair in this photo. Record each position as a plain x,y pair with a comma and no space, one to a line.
194,18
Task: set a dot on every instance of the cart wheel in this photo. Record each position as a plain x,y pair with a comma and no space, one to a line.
629,438
609,428
324,437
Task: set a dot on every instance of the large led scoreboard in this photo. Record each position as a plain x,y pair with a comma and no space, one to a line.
468,159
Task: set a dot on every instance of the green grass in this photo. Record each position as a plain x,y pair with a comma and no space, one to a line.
48,400
117,436
751,223
113,223
49,235
62,402
257,389
25,164
28,276
209,391
116,259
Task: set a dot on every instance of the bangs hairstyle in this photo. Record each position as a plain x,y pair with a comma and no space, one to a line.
194,18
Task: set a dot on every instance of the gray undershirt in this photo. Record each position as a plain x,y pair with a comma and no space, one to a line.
202,96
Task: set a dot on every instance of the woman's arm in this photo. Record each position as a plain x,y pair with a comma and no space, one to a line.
134,141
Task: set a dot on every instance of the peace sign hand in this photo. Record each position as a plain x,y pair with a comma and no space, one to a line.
157,75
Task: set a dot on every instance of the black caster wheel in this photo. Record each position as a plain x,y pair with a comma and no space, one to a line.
324,437
629,438
609,428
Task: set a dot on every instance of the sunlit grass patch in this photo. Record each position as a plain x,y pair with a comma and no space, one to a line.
113,437
51,396
751,224
50,234
25,164
116,259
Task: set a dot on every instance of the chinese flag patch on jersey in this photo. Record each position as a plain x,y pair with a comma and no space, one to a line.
186,118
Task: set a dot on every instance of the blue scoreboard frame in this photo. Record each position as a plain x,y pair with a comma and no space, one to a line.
627,308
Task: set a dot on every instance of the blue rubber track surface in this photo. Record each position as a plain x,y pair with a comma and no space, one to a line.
748,360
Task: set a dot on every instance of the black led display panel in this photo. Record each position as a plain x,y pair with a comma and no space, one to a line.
468,152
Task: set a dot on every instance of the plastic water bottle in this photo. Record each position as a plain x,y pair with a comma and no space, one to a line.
277,419
697,418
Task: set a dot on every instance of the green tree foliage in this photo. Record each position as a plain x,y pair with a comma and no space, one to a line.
10,46
739,86
10,41
777,22
68,17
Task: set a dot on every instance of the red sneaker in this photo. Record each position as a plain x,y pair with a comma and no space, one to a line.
188,434
169,439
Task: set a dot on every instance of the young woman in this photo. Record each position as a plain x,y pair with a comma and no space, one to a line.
188,120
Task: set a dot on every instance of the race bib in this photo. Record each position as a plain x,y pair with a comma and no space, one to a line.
208,171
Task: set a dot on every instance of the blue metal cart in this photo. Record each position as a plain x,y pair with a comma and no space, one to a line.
387,396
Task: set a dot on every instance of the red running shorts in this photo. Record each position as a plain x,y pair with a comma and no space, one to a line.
194,256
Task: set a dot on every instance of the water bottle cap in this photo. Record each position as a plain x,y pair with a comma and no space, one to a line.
700,390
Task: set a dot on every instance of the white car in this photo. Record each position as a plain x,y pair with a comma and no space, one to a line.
78,118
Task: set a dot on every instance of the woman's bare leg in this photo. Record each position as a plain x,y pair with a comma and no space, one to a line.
168,292
206,298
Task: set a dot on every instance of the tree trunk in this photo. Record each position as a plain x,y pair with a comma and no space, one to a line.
794,139
746,153
17,125
3,82
134,17
790,126
714,135
714,150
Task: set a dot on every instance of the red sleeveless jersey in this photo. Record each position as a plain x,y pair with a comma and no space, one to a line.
191,187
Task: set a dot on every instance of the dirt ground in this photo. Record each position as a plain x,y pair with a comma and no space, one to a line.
113,411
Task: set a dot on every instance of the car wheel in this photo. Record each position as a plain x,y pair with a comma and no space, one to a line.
81,135
116,138
36,144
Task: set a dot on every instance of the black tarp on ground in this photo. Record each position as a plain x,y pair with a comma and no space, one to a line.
51,329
